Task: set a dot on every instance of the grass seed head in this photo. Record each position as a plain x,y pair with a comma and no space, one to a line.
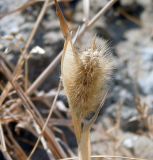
85,76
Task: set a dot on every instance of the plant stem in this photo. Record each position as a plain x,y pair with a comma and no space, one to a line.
84,148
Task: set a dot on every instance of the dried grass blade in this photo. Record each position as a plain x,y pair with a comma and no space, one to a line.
18,150
46,122
107,156
20,63
54,146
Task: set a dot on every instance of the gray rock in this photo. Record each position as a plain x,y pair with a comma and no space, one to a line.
141,67
10,24
141,145
10,5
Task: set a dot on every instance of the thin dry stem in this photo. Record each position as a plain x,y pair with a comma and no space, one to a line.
24,53
54,146
23,56
101,12
46,122
3,145
86,26
84,144
107,156
20,153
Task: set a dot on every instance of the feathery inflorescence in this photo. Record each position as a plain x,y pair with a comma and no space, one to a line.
85,75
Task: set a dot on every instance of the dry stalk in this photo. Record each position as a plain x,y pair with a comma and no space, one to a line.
107,156
84,77
46,122
103,10
3,144
18,69
31,109
16,147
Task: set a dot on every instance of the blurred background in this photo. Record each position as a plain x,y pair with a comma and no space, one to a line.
125,124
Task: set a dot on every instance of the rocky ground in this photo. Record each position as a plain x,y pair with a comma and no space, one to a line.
125,125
